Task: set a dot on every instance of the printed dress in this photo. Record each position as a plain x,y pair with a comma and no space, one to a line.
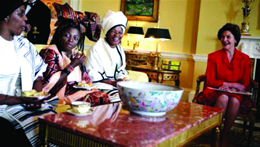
67,92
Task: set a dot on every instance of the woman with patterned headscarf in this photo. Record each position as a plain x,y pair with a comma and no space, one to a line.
21,69
106,59
65,64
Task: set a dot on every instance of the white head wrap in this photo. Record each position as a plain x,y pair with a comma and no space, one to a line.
114,19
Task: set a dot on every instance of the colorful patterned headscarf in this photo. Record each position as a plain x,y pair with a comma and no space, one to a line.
86,22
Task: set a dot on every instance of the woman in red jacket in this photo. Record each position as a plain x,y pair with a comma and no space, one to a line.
228,69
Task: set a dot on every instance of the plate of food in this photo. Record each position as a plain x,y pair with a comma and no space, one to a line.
33,93
84,85
41,97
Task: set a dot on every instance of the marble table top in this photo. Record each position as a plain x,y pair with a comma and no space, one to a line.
111,124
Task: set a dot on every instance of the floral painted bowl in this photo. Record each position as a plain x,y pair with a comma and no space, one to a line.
149,99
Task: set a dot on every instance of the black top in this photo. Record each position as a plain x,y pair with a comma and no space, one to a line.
39,16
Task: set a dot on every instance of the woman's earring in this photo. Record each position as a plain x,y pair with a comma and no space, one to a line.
6,18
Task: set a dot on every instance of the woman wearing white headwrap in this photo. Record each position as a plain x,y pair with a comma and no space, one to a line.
106,59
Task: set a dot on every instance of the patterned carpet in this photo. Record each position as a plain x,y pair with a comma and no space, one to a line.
236,139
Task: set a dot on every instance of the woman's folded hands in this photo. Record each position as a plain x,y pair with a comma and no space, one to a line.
232,87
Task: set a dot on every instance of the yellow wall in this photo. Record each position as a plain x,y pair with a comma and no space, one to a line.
199,69
179,16
193,26
214,14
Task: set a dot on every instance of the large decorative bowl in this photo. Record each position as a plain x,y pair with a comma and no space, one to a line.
149,99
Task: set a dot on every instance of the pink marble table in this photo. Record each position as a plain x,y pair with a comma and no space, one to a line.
110,125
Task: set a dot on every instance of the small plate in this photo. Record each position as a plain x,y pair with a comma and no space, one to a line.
70,111
37,97
87,88
103,86
115,100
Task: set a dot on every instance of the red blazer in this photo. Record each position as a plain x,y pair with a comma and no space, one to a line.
219,70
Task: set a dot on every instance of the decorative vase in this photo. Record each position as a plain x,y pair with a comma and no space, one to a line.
246,13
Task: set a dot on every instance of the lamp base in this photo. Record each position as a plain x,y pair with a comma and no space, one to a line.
133,50
156,57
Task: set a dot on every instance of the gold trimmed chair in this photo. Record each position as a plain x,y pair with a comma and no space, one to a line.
247,110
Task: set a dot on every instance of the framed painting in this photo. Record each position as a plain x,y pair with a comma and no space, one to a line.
143,10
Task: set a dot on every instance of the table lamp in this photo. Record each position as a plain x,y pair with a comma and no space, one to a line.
135,31
157,34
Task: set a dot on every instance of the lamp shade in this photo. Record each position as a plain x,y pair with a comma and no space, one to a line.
135,30
158,33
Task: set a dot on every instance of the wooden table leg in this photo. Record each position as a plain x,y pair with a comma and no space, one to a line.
177,82
216,137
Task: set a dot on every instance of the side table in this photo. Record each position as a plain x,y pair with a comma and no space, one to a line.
158,74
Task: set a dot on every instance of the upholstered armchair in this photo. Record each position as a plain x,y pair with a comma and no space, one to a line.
247,110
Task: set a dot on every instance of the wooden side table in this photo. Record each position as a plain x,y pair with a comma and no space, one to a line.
158,74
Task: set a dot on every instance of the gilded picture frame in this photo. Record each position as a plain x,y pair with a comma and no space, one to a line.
141,10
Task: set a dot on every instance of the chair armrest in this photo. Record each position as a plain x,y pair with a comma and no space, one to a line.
254,90
201,78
